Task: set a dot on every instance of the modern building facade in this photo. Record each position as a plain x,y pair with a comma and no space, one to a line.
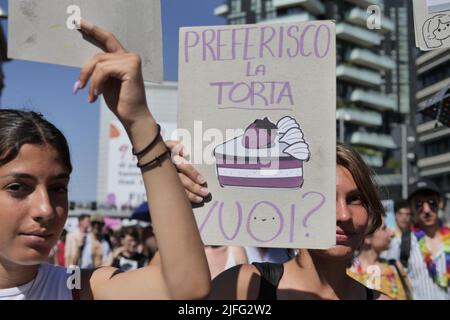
373,71
433,144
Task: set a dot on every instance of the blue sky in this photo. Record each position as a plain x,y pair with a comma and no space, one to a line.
48,89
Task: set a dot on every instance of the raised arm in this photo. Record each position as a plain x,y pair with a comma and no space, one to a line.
183,272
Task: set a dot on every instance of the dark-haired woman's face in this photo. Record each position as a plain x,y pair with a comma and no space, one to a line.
33,204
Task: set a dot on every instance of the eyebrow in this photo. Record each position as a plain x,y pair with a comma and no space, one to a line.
20,175
354,192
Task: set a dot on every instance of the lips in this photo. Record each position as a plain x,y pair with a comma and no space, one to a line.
342,236
38,234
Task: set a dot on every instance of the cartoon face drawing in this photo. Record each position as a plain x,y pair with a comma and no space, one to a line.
435,30
443,30
265,224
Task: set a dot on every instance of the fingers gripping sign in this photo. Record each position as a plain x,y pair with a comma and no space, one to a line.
116,74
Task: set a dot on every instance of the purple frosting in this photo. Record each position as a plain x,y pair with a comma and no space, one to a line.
260,134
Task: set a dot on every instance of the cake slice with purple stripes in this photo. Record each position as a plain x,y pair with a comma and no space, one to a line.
267,155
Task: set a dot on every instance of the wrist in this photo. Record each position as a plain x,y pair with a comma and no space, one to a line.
142,131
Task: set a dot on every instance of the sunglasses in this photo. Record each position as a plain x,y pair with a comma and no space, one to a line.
433,204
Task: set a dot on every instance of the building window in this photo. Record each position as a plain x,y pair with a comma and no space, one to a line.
434,75
437,147
236,6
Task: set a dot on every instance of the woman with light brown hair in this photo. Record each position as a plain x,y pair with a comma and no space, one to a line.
315,274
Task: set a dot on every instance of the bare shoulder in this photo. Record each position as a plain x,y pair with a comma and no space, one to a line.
92,280
239,254
238,283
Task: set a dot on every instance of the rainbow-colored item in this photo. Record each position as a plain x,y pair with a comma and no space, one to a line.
444,232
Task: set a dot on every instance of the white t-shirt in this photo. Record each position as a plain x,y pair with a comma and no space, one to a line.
50,284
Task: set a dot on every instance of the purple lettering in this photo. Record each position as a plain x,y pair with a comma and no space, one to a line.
238,227
316,41
302,41
256,93
281,43
251,215
232,97
210,211
286,92
297,41
220,92
263,41
207,43
246,43
187,44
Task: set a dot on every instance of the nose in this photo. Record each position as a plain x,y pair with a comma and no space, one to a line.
390,233
343,212
42,208
426,207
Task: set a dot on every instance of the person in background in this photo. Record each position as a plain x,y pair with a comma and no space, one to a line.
403,217
60,250
75,241
387,276
272,255
221,258
402,234
96,251
127,257
427,254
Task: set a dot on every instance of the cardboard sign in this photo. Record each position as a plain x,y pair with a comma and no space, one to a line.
435,6
257,108
432,24
44,31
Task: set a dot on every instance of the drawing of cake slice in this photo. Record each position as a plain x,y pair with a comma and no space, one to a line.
265,156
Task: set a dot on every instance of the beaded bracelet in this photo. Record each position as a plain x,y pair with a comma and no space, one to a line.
157,160
150,146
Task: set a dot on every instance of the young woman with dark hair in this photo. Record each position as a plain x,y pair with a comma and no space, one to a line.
34,174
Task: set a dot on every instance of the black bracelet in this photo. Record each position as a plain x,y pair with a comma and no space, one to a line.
150,146
157,160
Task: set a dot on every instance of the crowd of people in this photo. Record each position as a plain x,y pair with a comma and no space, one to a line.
169,260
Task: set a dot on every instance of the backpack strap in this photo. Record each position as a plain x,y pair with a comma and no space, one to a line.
271,274
405,248
402,277
75,294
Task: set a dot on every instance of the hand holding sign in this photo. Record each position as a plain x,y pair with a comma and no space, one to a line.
117,75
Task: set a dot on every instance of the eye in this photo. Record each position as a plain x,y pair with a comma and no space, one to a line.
60,189
354,199
18,189
273,218
439,30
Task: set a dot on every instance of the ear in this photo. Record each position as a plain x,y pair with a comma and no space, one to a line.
368,240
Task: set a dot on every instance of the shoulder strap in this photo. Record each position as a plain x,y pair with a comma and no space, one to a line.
75,294
271,274
405,248
402,279
369,294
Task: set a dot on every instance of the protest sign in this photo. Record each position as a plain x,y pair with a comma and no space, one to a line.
432,24
45,31
257,113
